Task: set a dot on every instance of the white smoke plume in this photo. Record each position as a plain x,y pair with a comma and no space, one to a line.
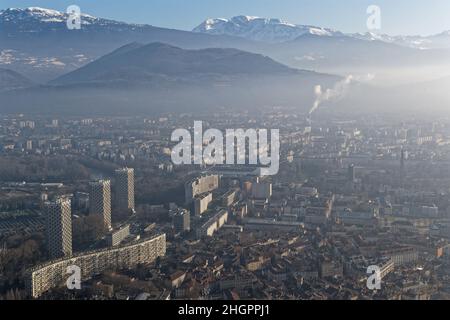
339,90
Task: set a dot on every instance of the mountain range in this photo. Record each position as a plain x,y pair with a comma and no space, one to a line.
37,43
11,80
260,29
162,63
243,62
276,30
160,77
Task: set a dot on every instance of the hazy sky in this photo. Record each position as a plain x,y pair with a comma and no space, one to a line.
398,16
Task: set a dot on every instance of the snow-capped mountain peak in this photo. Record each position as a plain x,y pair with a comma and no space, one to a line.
37,14
444,34
31,11
43,11
260,29
276,31
372,36
441,40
